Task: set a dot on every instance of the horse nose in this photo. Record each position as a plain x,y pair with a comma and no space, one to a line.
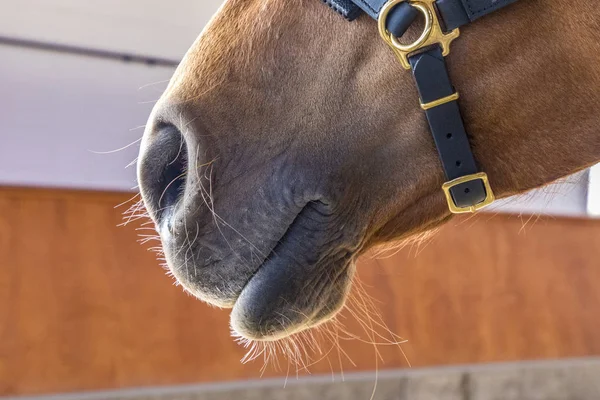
162,169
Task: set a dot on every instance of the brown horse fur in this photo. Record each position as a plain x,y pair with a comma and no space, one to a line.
306,145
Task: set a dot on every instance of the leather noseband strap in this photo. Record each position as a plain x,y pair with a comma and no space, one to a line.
467,190
453,13
446,124
346,8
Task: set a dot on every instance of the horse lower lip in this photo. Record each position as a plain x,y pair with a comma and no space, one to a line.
289,291
273,306
255,312
270,280
272,252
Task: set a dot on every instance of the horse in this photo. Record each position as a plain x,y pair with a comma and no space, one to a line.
290,141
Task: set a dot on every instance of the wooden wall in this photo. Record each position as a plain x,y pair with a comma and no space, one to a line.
83,306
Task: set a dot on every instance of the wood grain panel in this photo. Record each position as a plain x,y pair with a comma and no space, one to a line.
83,306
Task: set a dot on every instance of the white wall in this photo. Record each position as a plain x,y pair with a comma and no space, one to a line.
160,28
594,192
57,110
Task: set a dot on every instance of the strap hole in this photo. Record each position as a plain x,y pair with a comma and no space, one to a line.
467,191
458,163
449,136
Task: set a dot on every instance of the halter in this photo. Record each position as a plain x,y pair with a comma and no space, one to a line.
467,189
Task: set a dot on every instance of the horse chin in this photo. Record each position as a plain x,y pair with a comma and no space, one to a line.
301,281
261,314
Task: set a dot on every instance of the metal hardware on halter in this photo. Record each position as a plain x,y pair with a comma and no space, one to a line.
438,116
454,209
432,32
471,190
439,102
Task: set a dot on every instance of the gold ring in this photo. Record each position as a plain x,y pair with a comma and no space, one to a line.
393,40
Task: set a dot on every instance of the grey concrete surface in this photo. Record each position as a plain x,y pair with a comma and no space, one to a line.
551,380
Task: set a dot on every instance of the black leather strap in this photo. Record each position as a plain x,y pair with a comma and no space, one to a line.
371,7
438,97
431,75
453,13
346,8
399,19
456,13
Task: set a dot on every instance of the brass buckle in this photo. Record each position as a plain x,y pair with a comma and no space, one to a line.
432,33
489,197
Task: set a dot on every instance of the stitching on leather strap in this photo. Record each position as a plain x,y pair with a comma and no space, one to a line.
334,7
368,6
492,5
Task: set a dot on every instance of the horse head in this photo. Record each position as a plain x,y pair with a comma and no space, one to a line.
290,141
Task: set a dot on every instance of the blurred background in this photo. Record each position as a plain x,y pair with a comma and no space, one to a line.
504,305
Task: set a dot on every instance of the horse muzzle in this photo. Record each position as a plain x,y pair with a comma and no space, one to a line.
253,236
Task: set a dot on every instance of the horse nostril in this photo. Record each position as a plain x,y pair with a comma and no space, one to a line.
163,170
